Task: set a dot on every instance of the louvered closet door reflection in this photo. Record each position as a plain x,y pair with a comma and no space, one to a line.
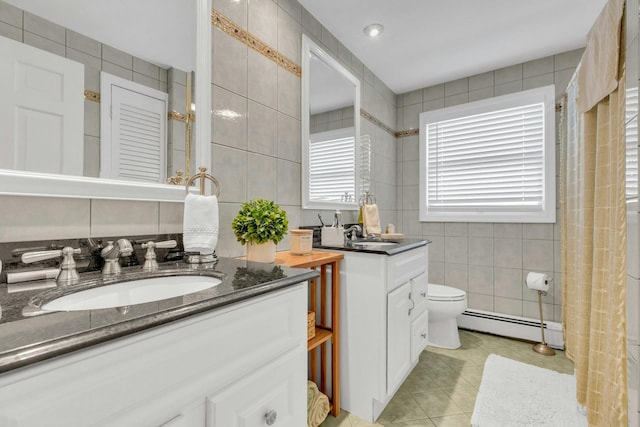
138,129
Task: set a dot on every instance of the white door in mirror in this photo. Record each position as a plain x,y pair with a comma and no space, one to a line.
41,110
132,292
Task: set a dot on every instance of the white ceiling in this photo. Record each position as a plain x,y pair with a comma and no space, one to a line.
426,42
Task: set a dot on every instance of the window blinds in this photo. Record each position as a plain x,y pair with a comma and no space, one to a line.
493,159
631,135
332,158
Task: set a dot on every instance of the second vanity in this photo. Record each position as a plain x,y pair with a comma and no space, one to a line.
233,353
384,320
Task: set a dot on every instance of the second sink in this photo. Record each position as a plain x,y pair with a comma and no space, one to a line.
131,292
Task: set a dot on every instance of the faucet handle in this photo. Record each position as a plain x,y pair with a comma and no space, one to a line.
29,257
68,273
150,262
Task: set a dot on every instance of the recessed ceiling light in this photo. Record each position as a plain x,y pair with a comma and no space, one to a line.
373,30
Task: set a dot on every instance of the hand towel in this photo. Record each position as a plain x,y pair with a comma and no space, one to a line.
200,226
317,405
371,219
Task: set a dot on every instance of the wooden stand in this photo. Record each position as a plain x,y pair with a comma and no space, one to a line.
324,332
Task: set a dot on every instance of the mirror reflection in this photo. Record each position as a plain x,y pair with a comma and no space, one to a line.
103,88
330,129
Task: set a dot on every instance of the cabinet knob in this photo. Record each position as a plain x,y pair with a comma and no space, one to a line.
423,294
423,335
270,417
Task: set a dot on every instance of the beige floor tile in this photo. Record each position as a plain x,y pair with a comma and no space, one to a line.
419,380
402,408
464,396
419,423
460,420
339,421
437,403
359,422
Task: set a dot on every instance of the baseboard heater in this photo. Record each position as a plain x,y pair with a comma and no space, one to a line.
512,326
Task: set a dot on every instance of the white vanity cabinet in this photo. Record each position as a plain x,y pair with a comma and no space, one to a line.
241,365
384,326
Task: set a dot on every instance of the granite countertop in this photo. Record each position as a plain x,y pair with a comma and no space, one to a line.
398,246
28,334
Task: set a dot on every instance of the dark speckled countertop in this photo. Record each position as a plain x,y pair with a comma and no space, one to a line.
398,246
28,335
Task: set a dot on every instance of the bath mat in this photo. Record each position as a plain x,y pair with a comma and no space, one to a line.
515,394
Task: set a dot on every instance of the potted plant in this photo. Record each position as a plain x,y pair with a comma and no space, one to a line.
260,224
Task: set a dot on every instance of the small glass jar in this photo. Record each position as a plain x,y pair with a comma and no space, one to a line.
301,242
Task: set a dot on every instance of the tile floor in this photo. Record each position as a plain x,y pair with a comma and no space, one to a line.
441,390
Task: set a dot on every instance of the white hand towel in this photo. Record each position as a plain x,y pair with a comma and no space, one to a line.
201,224
371,219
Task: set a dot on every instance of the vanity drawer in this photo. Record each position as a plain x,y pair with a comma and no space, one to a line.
419,335
273,395
419,295
402,267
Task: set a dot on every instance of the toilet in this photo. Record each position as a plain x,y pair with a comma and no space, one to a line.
445,304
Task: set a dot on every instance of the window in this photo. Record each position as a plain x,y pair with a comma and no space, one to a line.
332,160
490,161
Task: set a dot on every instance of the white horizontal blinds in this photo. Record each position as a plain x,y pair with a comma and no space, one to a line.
139,125
332,165
631,135
494,159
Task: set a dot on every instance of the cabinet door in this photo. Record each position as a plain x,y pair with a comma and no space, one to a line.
419,335
399,306
189,417
275,395
419,289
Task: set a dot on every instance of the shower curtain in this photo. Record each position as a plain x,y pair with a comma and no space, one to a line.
594,248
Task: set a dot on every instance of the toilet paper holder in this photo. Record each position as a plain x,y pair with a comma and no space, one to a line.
540,282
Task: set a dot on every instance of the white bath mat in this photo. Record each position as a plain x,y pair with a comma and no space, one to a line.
515,394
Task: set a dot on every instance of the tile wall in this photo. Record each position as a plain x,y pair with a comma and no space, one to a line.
489,261
256,131
331,120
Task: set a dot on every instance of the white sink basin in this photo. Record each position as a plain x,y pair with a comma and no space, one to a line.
131,292
376,244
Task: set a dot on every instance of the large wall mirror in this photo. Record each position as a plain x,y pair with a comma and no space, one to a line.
154,43
330,131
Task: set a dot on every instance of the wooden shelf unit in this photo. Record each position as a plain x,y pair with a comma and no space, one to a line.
324,332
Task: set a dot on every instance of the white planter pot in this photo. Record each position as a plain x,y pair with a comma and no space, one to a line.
264,252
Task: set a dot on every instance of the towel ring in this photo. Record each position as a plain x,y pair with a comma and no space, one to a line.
367,199
203,175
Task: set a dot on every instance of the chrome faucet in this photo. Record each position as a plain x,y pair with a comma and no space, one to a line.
68,274
352,232
111,254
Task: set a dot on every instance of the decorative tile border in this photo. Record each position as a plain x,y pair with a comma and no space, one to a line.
91,96
180,117
412,132
377,122
406,133
224,24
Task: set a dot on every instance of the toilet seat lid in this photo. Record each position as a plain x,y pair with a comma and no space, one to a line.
445,293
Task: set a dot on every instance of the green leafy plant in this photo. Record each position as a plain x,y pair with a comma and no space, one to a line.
260,221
